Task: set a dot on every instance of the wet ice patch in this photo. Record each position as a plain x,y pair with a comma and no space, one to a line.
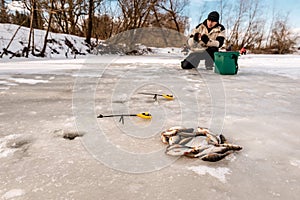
231,157
28,81
283,65
12,143
4,88
120,98
32,113
70,122
295,163
4,150
4,85
13,193
219,173
7,83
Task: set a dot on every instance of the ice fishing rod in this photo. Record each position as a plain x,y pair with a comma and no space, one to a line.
166,96
144,115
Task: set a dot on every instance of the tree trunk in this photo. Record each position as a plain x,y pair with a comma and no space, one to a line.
176,22
90,22
48,29
31,29
35,22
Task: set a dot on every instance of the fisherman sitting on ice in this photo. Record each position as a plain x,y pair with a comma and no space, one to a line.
205,40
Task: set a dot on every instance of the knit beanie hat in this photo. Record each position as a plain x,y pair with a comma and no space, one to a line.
213,16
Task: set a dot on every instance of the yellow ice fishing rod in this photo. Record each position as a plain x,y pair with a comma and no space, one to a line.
144,115
166,96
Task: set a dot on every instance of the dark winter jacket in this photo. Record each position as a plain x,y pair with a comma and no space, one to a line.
216,37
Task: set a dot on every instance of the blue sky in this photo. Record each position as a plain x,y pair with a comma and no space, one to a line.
283,6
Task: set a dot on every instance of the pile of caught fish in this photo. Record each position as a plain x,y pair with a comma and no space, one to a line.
199,143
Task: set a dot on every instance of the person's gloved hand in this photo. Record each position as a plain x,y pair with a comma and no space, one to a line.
196,37
204,38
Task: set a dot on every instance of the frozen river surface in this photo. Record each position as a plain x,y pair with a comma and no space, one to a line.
52,146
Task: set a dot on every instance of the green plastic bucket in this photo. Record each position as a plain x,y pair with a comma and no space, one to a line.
226,62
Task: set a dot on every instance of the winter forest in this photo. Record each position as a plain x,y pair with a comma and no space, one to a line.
96,20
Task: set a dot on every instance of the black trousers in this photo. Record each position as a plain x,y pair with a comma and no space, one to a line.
193,59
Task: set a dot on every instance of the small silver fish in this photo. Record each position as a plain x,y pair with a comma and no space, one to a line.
231,147
186,140
197,142
178,150
197,151
186,134
202,130
186,130
204,151
214,157
174,139
176,129
169,132
212,139
201,143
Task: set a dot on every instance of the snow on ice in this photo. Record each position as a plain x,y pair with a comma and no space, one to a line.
219,172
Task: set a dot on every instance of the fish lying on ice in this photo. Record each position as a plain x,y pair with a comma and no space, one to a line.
201,143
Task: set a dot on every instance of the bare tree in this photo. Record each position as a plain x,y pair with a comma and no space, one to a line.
90,22
135,13
31,28
105,21
3,12
252,31
175,8
103,26
67,15
37,19
202,12
268,40
159,13
282,37
236,29
48,28
244,24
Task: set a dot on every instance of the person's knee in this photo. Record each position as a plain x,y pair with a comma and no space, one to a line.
186,65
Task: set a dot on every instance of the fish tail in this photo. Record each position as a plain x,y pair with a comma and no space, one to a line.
222,139
231,147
